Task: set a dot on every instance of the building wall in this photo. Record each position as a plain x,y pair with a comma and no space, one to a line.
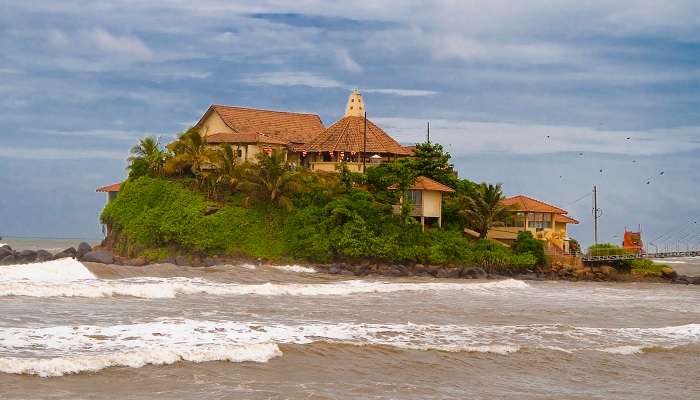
432,203
213,124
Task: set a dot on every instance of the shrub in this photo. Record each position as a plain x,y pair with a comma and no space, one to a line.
527,244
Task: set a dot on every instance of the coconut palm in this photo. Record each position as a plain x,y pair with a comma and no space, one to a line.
482,207
149,152
227,173
190,154
270,180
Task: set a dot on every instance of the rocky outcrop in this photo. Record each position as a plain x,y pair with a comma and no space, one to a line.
83,249
70,252
99,256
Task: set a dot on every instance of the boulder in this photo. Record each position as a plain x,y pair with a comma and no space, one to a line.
182,261
5,251
136,262
69,252
449,272
607,270
210,261
668,273
83,248
695,280
474,273
26,256
99,256
346,272
334,270
43,255
8,260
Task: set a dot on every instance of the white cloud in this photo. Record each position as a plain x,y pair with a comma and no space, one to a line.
345,61
402,92
471,137
467,49
129,46
52,153
98,133
291,79
319,81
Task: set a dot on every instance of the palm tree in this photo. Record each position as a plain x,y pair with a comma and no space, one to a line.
483,207
227,172
270,180
148,151
190,152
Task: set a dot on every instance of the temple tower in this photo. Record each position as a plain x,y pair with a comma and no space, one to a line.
356,106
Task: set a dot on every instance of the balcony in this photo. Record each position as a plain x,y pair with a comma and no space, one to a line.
416,211
333,166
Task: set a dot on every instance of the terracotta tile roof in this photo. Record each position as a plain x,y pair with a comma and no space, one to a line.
425,183
524,203
288,126
348,135
243,137
110,188
565,219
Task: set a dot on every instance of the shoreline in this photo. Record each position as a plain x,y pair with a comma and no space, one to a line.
104,256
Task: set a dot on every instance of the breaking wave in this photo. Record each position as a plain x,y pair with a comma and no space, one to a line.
58,350
59,366
56,271
71,280
294,268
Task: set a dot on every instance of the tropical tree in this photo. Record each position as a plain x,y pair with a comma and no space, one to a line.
147,156
190,154
270,180
482,207
431,160
227,173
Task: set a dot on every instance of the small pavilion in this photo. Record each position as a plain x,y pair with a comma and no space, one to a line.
353,139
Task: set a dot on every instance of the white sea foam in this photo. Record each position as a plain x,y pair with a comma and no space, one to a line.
623,350
58,366
56,271
156,288
57,350
294,268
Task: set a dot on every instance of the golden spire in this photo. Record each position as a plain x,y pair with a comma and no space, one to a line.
356,106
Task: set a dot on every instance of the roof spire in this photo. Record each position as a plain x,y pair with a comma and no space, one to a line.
356,106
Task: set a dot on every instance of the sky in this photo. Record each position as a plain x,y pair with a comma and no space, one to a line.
547,97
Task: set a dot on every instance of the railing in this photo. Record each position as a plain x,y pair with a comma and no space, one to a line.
416,211
597,255
332,166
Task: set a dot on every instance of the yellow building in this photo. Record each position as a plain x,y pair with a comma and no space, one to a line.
426,198
250,131
545,221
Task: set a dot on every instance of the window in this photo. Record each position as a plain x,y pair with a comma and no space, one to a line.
416,197
539,220
239,153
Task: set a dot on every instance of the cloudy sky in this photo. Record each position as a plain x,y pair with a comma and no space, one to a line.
538,95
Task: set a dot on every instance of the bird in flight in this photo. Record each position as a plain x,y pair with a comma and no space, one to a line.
662,172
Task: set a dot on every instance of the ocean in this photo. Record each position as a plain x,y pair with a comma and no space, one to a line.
69,330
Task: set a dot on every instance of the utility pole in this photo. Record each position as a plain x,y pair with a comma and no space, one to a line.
428,131
596,214
364,147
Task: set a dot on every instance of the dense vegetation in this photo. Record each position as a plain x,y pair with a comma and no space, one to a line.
192,198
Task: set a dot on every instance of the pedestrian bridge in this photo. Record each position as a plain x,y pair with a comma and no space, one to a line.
621,254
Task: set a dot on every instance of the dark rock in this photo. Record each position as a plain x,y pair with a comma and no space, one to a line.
43,255
346,272
99,256
136,262
474,273
333,270
69,252
449,272
695,280
182,261
8,260
83,248
668,273
5,251
210,262
26,256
